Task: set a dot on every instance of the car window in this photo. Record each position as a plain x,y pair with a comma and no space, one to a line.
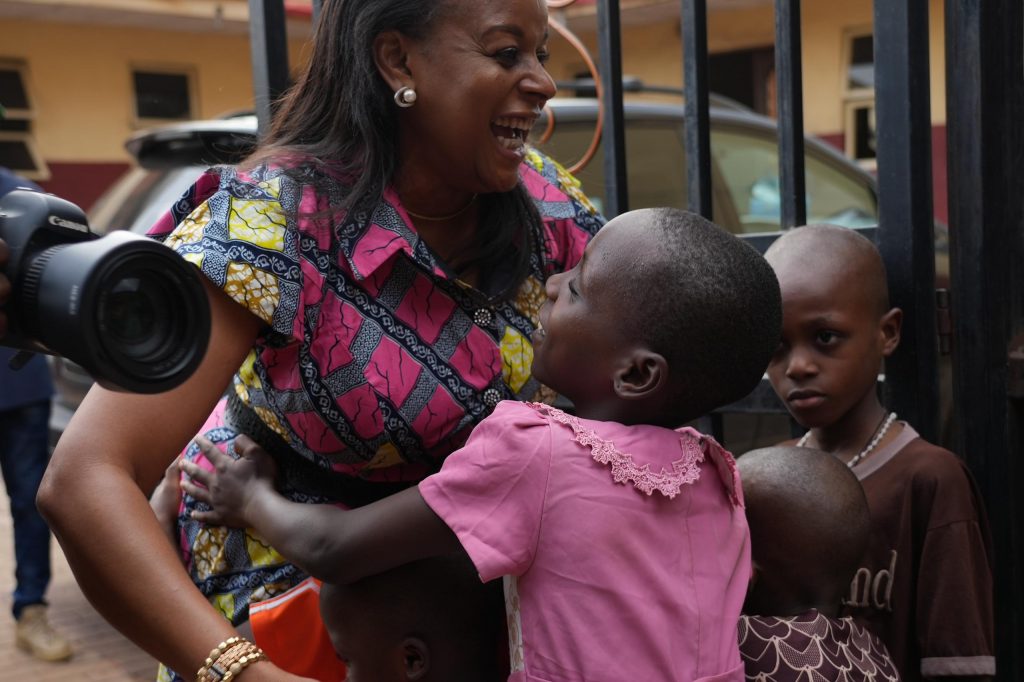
656,161
140,197
748,165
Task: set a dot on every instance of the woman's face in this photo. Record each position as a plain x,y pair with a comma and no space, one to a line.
480,83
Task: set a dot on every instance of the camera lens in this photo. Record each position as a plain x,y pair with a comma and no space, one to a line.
137,315
128,309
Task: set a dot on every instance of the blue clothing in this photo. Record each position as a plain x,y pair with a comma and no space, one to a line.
24,454
32,382
26,386
23,458
10,181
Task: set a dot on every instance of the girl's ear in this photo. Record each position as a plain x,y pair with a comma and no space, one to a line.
416,657
642,374
890,326
391,55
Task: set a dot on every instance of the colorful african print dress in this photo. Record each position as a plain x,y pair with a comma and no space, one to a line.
375,363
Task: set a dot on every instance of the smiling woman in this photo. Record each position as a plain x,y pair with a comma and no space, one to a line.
375,272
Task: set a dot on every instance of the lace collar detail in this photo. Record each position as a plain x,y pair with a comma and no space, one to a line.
668,482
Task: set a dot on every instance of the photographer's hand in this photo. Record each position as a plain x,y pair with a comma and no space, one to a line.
234,487
5,287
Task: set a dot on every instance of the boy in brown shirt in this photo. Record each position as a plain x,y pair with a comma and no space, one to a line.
925,585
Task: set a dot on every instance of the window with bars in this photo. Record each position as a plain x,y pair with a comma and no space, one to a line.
859,97
162,94
18,150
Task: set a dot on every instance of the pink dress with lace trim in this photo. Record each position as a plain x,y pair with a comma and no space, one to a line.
684,471
605,581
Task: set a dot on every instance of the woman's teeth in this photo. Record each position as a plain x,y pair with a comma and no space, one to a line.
511,131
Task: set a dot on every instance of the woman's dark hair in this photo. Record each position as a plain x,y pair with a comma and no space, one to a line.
339,118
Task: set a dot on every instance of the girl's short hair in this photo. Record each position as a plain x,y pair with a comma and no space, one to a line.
711,305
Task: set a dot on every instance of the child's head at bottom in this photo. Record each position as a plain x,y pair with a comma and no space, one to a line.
809,528
430,620
666,317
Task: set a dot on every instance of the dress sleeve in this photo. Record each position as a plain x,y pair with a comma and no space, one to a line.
491,492
237,228
570,218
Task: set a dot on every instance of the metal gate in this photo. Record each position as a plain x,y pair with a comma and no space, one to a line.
984,47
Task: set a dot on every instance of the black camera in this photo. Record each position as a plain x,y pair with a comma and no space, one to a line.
126,308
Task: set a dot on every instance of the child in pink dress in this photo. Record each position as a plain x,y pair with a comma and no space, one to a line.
620,536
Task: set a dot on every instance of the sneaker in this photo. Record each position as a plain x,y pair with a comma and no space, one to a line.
35,636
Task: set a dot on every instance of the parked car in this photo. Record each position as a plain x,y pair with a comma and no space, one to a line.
744,188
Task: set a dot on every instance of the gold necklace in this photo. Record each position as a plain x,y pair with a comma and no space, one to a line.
444,217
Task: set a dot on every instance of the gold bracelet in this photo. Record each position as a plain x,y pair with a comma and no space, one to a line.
228,659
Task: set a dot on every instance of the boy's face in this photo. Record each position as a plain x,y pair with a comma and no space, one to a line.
368,655
834,338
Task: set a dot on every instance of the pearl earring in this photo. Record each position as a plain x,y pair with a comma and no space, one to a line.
405,97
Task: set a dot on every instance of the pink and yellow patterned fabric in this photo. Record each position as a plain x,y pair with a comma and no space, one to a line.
375,364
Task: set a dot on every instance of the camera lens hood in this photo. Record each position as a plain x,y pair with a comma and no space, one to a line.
128,309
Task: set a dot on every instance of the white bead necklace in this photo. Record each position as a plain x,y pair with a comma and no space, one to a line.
879,435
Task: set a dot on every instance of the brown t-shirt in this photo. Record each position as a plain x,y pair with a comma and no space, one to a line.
925,586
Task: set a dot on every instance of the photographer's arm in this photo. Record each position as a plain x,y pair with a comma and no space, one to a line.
332,544
117,446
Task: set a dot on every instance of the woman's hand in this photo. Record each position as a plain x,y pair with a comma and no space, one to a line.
234,486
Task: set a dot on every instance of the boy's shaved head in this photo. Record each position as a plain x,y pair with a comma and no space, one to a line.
828,251
809,527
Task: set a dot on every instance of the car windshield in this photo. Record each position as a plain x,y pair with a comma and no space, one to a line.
656,165
745,168
140,197
748,165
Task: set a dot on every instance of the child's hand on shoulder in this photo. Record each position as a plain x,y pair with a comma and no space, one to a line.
234,484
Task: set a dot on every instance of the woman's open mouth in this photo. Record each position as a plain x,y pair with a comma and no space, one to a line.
538,334
511,132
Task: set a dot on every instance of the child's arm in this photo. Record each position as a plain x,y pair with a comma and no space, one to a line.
331,544
166,500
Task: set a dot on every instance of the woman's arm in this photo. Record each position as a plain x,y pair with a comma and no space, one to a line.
329,543
117,446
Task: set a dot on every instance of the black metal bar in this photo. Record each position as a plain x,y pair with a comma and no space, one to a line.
906,234
790,95
985,95
697,130
609,39
268,43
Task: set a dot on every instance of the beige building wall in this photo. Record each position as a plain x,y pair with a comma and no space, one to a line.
654,52
84,105
78,58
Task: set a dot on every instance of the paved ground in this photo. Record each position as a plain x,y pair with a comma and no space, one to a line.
101,653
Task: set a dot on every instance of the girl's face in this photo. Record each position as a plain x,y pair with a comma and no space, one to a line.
581,343
481,84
